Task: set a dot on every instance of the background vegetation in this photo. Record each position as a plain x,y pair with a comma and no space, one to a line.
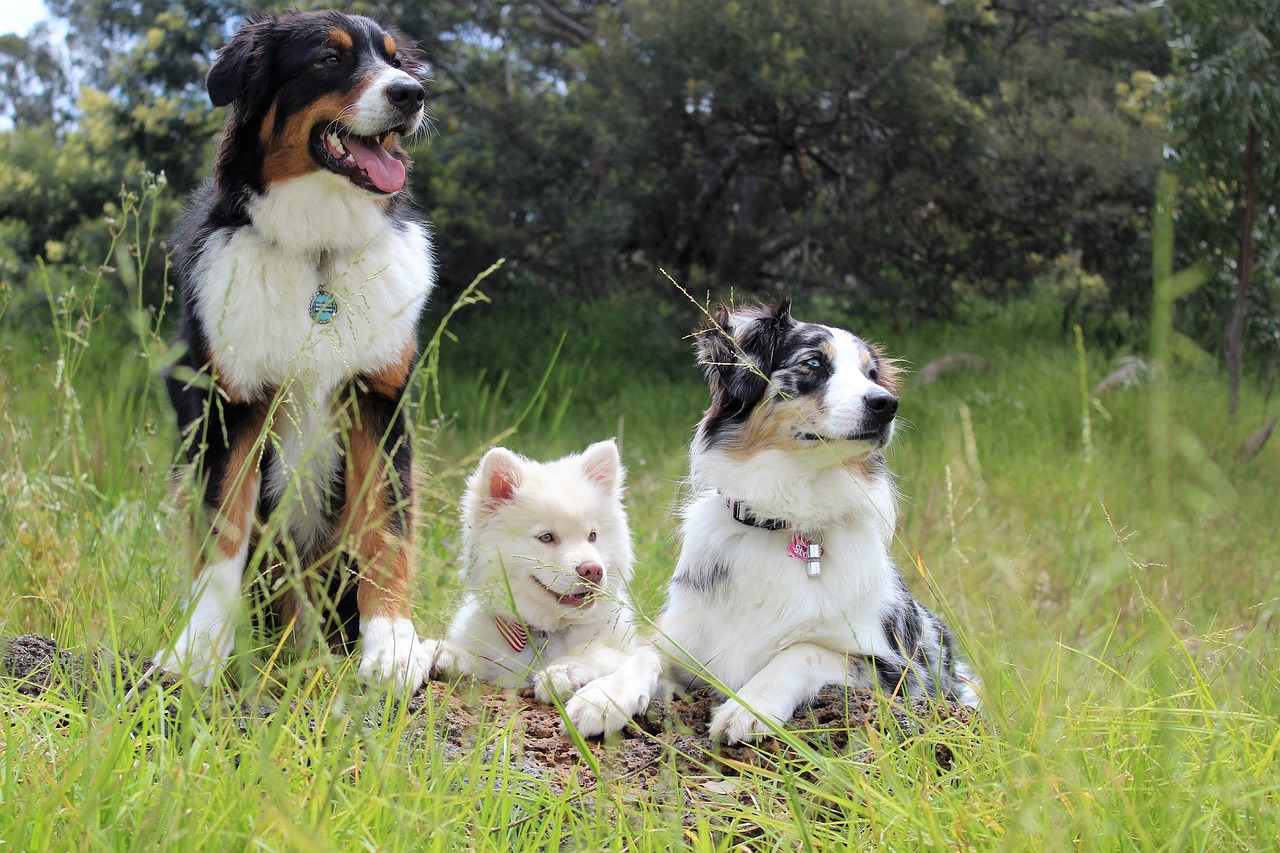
959,177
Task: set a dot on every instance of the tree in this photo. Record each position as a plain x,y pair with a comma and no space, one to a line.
1227,119
33,85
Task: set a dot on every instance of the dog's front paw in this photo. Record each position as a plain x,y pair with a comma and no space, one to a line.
604,706
196,655
733,722
446,659
392,653
560,680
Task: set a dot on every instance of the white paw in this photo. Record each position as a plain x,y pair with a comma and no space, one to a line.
196,655
560,680
391,653
446,659
604,706
732,723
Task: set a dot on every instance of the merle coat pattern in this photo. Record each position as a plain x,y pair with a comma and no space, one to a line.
790,452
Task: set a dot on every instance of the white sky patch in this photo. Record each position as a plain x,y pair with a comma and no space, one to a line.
19,16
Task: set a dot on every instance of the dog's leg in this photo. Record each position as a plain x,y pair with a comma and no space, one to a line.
608,703
379,524
791,677
231,458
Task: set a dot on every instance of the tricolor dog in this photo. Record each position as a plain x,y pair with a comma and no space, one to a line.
302,273
785,582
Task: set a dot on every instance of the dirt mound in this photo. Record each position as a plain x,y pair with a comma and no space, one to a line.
672,732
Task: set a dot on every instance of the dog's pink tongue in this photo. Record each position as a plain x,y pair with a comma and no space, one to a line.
386,172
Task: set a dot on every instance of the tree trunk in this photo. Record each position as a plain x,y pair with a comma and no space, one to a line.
1233,343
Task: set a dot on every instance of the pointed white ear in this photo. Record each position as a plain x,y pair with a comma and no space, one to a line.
501,472
602,465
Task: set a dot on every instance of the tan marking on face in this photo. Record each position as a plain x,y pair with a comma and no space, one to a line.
288,152
341,39
865,358
389,44
891,371
390,380
829,349
774,424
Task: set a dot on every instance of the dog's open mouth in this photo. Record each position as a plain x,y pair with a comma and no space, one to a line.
363,160
876,436
579,597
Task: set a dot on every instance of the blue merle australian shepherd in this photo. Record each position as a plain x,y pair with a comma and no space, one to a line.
785,582
302,275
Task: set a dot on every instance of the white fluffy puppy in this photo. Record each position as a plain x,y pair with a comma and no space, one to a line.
546,559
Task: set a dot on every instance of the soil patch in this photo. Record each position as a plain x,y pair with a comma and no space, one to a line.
672,735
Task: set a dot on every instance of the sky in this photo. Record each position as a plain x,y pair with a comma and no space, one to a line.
18,16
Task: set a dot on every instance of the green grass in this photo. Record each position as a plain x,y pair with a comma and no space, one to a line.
1126,638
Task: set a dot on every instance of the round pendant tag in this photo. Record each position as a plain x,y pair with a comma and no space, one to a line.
324,307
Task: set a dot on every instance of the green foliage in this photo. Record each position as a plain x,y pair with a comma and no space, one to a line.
901,155
1127,645
32,81
1226,114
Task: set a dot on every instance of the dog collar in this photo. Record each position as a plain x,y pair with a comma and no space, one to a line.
802,547
743,515
518,636
513,632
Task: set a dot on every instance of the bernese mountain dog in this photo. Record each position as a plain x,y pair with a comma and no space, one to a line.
301,273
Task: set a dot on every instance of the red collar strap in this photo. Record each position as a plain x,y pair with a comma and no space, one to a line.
513,633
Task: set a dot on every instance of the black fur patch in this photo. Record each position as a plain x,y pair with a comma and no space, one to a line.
739,353
703,578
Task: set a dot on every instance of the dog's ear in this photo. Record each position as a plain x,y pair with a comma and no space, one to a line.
603,466
238,75
739,350
500,474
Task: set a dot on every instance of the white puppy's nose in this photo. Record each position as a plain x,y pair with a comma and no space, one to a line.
591,571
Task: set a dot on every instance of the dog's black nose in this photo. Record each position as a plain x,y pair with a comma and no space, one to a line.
406,96
881,406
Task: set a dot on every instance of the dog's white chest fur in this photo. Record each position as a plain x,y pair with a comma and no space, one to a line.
254,295
740,579
257,282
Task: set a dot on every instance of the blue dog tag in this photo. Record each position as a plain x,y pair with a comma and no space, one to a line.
324,307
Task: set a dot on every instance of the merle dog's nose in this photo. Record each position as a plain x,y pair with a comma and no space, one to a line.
406,96
592,571
881,406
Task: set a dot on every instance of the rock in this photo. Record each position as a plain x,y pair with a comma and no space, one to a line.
953,363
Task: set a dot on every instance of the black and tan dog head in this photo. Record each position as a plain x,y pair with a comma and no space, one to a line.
316,92
779,384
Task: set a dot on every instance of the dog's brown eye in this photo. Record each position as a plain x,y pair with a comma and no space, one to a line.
873,374
591,537
547,537
395,62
